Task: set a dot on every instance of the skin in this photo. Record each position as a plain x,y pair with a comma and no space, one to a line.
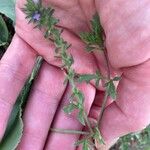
126,25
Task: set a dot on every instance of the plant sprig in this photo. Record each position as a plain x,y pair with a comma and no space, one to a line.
94,39
43,18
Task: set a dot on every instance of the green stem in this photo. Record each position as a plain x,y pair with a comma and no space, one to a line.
87,121
84,112
107,63
39,61
64,131
106,94
102,108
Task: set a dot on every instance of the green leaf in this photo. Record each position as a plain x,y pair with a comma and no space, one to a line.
98,78
69,108
71,74
81,117
90,48
3,32
94,39
7,7
96,25
31,7
116,78
80,97
86,78
77,143
97,136
88,37
111,90
97,82
85,144
14,129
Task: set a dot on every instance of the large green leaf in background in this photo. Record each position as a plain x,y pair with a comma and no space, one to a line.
7,7
3,32
14,129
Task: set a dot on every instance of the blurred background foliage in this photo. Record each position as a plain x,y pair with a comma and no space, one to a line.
133,141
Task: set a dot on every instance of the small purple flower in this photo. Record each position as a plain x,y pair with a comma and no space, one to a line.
36,1
36,16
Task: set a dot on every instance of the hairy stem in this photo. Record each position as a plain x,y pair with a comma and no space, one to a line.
66,131
106,94
107,63
102,108
88,122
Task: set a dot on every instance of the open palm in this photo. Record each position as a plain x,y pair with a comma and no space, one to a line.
131,110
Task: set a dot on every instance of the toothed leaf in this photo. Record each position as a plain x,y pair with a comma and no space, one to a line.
86,78
116,78
81,117
111,90
69,108
3,32
97,136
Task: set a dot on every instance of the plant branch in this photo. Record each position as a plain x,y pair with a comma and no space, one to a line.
102,109
107,63
87,121
66,131
106,93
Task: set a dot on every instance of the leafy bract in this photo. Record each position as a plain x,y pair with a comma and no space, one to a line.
3,32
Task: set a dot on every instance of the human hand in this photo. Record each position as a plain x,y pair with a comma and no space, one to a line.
111,127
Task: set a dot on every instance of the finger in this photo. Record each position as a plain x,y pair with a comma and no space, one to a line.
97,104
63,121
102,61
40,110
15,67
99,99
